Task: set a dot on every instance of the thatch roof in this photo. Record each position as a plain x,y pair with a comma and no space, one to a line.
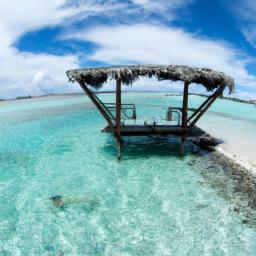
96,77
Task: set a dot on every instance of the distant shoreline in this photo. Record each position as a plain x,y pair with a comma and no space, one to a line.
230,98
253,102
223,97
41,96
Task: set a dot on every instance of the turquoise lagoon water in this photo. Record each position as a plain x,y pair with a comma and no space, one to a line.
153,202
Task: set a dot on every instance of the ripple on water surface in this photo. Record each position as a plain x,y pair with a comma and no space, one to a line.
151,203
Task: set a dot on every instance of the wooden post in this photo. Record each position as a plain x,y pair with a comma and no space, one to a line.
217,93
118,117
204,104
185,107
98,106
184,116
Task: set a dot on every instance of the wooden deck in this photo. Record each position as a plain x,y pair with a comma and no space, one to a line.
140,130
186,125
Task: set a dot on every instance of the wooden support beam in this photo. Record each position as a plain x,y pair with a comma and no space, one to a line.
103,105
185,107
118,117
203,105
184,123
217,93
96,103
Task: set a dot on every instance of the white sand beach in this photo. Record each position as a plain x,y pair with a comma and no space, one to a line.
238,140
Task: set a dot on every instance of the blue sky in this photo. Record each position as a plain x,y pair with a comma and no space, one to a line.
40,40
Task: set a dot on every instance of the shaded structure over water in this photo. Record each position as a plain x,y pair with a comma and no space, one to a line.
185,123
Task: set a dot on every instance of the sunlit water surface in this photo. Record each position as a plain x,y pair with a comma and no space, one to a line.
153,202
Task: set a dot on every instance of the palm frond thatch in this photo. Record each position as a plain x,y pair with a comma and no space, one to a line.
96,77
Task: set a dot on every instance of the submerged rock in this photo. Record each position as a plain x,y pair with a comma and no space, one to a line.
192,162
207,142
245,221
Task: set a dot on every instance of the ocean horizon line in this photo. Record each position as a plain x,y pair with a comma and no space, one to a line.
236,99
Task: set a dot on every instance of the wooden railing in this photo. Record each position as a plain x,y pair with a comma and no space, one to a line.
125,109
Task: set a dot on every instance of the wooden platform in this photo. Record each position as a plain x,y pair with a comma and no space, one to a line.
114,112
140,130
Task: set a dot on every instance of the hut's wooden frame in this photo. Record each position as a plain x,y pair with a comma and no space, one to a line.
212,80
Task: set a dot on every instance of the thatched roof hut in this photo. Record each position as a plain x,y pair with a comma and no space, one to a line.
96,77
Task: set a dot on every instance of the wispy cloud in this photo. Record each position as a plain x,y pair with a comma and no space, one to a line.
166,9
143,43
28,73
250,35
245,11
23,73
137,34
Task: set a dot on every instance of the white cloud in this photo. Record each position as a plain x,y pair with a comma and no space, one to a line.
18,17
19,72
250,35
23,73
245,11
155,44
27,73
165,8
33,74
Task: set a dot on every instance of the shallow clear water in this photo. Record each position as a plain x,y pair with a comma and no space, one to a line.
153,202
